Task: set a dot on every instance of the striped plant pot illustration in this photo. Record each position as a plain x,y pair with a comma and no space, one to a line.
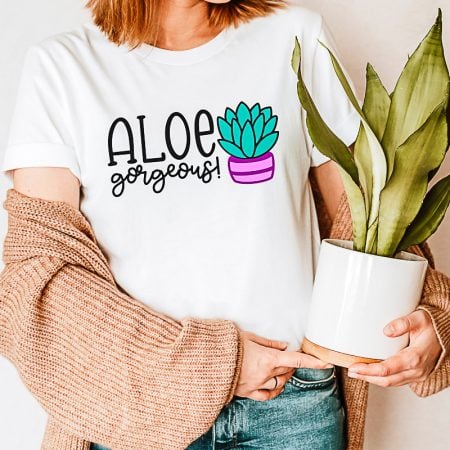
251,170
248,135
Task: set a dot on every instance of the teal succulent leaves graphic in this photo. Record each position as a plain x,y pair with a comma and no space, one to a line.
248,132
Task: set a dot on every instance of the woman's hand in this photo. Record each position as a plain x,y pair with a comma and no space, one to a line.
412,364
264,359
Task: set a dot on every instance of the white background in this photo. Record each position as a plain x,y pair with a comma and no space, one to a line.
382,32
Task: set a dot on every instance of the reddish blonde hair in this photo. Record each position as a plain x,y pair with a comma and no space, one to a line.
136,21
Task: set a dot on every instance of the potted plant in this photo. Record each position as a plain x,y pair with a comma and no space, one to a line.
248,135
362,284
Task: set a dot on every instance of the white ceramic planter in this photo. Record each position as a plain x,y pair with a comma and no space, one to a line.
356,294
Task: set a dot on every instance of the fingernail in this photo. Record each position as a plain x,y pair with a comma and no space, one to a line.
352,370
352,374
388,329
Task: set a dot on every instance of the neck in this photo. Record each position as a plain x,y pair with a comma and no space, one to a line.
184,24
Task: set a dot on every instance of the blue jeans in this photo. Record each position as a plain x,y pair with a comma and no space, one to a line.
307,415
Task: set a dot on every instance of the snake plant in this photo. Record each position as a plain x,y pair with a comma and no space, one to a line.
248,132
402,141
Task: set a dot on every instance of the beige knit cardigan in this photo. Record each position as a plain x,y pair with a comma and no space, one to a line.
109,369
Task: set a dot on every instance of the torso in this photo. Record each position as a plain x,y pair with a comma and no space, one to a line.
194,241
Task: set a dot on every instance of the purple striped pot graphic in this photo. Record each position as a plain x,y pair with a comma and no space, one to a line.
252,170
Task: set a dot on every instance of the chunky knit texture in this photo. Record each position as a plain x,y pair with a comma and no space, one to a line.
108,368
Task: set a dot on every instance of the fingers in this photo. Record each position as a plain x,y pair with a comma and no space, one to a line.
405,324
281,380
299,359
398,379
265,358
405,367
266,342
282,370
264,394
390,366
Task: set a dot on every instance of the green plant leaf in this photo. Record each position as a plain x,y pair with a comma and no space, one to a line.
243,114
372,238
266,144
231,149
321,135
363,162
419,90
376,109
371,160
434,171
448,117
376,174
357,210
376,103
248,140
330,145
296,58
225,129
400,202
344,82
430,215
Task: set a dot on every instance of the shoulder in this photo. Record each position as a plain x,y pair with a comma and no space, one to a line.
295,14
72,45
281,25
296,18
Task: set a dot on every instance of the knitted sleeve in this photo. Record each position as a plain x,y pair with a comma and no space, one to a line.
436,302
105,367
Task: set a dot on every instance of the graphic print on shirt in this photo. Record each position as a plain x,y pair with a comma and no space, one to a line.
248,135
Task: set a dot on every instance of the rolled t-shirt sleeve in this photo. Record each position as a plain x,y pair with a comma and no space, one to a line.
329,96
39,134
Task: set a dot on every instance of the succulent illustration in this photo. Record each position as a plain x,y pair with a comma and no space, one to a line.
248,132
402,142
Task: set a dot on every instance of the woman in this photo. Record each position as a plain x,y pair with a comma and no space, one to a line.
121,120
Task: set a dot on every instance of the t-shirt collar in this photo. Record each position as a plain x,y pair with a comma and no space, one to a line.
150,53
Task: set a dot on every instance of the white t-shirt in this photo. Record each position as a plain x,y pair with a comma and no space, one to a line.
189,229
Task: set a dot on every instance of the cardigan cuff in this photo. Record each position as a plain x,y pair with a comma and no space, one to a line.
441,324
